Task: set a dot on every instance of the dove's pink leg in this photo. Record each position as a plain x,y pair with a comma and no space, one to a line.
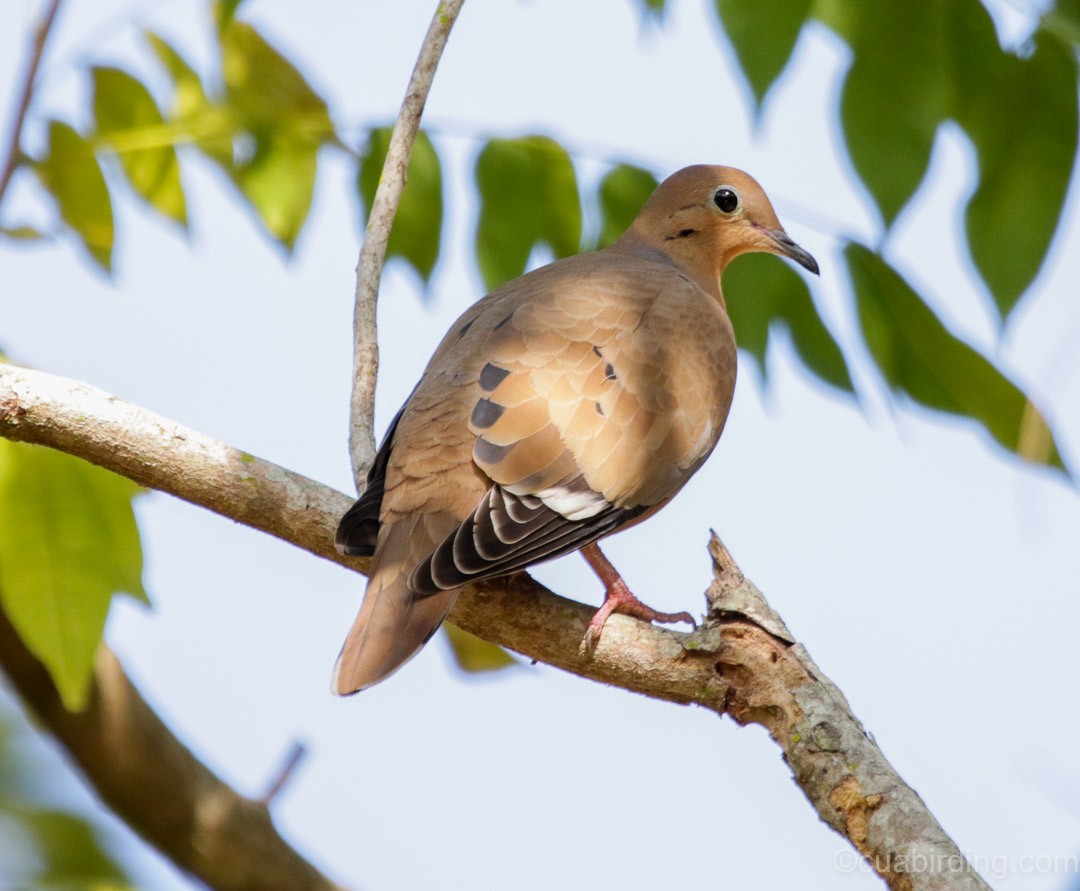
619,599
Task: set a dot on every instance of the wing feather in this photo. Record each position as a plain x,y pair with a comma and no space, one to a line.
506,533
358,529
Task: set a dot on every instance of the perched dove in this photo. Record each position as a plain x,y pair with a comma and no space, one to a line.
570,403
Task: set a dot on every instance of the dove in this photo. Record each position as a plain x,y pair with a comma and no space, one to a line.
568,404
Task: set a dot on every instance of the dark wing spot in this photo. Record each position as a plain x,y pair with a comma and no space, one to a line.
609,372
486,413
489,453
491,376
596,350
464,329
599,409
503,322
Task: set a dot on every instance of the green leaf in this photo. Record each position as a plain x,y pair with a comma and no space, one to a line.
190,95
22,233
974,54
68,850
763,35
123,107
528,195
623,192
895,95
1024,126
224,11
418,223
209,125
286,121
920,357
764,294
266,90
72,853
71,174
1063,21
279,180
68,542
473,654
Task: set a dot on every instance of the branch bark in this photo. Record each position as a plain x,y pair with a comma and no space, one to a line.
154,783
742,661
384,207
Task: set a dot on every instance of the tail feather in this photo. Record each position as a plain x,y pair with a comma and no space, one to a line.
393,622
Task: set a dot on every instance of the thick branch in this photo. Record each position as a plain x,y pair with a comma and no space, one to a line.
383,210
155,784
742,661
13,155
53,411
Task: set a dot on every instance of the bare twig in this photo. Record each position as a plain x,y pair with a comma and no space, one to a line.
373,253
297,753
13,156
155,784
742,662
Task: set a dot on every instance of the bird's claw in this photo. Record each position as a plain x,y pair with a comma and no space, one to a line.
638,610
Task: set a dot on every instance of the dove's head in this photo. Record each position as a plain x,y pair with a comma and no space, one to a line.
703,217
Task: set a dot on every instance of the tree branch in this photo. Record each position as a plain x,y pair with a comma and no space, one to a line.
154,783
13,156
742,661
384,207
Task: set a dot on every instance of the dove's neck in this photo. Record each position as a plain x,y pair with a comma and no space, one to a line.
682,250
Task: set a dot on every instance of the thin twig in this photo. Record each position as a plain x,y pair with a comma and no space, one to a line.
297,753
373,252
741,662
13,157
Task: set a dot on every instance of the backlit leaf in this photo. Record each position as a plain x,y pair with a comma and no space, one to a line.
225,10
528,196
763,36
763,294
124,108
279,180
473,654
418,223
919,357
210,126
22,233
68,542
71,174
266,90
623,192
285,121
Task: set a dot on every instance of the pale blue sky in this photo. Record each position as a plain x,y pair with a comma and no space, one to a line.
934,580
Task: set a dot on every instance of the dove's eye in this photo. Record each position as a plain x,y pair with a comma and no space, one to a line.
726,199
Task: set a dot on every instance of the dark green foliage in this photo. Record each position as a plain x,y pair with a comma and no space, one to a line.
528,196
921,359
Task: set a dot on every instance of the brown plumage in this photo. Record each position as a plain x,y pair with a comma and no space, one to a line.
568,404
